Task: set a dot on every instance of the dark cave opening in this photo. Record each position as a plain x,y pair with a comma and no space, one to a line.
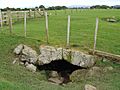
62,67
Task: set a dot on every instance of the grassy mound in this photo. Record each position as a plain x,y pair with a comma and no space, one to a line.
15,77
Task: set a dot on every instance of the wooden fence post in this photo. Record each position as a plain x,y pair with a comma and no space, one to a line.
35,13
25,19
55,12
9,20
1,22
76,9
95,35
30,13
68,32
65,11
17,16
47,35
72,11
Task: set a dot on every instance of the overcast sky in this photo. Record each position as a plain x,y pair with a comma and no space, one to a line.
33,3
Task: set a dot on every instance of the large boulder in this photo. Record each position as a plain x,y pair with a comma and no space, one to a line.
78,75
48,54
95,71
29,55
67,54
81,59
18,49
42,59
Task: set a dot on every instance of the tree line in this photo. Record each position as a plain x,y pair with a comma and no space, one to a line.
62,8
105,7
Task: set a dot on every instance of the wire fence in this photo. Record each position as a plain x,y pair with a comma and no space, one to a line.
78,30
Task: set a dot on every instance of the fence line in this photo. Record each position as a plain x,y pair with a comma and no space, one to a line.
46,28
17,15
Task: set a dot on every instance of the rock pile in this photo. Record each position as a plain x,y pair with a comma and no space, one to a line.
29,58
49,53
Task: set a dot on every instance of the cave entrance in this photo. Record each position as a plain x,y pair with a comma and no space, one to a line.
59,71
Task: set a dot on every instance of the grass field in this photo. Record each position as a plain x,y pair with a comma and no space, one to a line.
82,29
15,77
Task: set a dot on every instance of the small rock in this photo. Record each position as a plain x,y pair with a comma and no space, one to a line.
108,69
90,87
95,71
26,63
15,60
18,49
23,58
104,60
55,80
78,75
31,67
21,63
53,74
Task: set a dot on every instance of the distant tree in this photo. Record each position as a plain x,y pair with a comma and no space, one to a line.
57,8
100,7
41,6
51,8
36,7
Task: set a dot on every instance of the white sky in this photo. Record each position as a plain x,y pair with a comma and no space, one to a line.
33,3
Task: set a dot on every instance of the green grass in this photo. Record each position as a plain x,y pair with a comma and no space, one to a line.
15,77
82,29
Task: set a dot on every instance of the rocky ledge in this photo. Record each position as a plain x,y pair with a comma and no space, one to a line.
28,57
48,53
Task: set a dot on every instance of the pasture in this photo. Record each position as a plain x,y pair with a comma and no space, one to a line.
82,29
83,21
